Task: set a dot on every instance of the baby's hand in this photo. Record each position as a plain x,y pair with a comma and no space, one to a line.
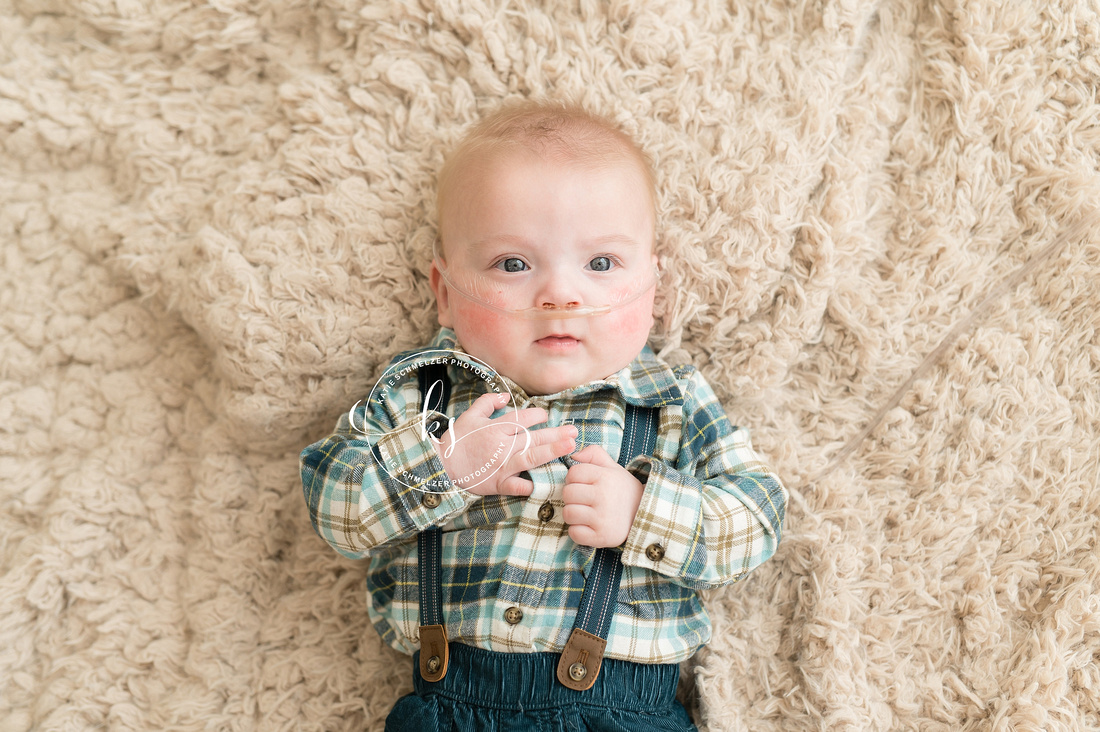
601,499
476,444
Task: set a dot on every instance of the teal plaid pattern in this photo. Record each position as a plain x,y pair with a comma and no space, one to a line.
709,502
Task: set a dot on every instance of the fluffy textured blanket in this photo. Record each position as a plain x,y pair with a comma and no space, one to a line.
216,223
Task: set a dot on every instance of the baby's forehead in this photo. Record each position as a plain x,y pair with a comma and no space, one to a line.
467,175
505,159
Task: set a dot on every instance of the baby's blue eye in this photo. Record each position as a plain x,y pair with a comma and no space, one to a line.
600,264
513,264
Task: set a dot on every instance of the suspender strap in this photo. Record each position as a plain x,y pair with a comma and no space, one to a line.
435,383
433,637
430,541
598,598
579,665
601,587
639,433
430,545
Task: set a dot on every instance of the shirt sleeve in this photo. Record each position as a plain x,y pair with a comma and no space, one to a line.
365,484
714,516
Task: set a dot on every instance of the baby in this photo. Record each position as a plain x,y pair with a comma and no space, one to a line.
539,495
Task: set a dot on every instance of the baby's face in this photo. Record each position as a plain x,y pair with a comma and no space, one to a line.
524,232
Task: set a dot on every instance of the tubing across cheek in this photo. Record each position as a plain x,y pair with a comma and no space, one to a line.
477,289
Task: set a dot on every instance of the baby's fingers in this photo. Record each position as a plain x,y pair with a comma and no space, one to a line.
484,406
576,514
523,417
541,451
515,486
585,536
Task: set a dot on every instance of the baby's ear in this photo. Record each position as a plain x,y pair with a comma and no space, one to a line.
442,299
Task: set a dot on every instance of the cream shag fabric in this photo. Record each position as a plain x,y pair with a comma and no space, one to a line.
216,221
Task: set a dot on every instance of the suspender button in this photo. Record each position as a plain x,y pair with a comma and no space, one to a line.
433,665
431,500
577,671
513,615
655,552
546,512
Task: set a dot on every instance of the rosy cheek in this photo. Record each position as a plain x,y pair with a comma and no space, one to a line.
480,318
483,332
633,319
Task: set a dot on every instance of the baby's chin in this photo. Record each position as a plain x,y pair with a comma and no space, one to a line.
544,388
552,375
545,384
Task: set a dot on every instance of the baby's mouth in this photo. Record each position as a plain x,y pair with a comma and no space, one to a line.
558,341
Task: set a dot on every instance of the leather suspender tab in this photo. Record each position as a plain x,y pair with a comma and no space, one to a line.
579,665
433,652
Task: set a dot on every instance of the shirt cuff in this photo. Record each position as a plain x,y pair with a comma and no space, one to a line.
662,534
417,476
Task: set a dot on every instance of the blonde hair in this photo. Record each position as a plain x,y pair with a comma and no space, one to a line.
551,129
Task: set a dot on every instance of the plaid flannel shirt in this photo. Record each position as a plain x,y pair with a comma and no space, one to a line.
709,503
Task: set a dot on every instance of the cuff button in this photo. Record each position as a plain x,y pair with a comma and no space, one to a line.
655,552
431,500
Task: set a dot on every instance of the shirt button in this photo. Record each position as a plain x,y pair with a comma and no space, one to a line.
546,512
436,426
513,615
431,500
655,552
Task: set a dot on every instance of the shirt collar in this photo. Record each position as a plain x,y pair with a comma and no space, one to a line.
646,382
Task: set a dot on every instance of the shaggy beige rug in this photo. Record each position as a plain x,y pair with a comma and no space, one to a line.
216,223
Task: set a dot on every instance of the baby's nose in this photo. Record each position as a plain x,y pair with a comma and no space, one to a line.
559,290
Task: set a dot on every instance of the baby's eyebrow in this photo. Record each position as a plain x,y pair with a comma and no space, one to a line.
509,239
515,240
613,239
